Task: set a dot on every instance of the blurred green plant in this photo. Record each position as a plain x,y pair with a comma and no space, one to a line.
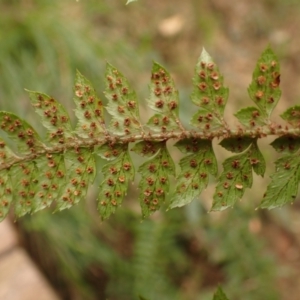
178,256
50,39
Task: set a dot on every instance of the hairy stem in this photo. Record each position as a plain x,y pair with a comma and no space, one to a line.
259,132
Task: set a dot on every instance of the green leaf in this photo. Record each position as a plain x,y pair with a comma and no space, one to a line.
54,117
164,100
122,103
250,117
237,176
6,194
257,160
209,93
206,120
195,170
161,123
111,151
80,172
236,145
237,173
6,155
240,144
89,109
219,295
117,175
264,89
146,148
292,115
283,187
21,132
154,184
25,181
51,179
286,144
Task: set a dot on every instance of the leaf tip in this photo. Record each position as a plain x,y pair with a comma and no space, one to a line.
204,56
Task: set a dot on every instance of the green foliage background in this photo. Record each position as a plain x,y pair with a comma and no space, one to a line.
184,253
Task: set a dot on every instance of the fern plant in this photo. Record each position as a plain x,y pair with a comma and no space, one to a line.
34,173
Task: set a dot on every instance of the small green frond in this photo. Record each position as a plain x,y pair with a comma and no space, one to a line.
236,177
292,116
195,170
264,89
109,151
26,178
257,160
147,149
164,100
283,187
54,117
81,170
250,117
236,145
50,180
209,93
155,183
237,173
122,103
6,188
6,194
205,120
5,153
89,109
20,132
118,173
161,123
286,144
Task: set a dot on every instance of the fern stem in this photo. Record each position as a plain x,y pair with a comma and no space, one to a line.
258,132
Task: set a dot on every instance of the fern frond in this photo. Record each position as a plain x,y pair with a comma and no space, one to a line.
195,170
117,175
34,173
155,172
209,94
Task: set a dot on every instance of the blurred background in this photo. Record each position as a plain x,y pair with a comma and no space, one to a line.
185,253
